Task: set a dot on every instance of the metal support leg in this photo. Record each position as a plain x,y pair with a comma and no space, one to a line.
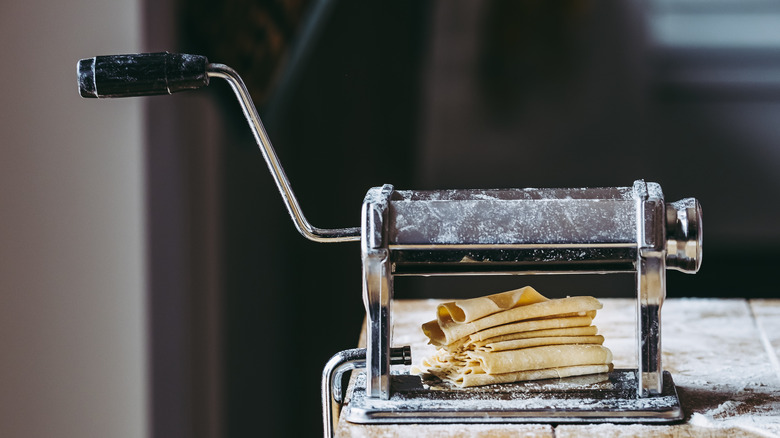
377,291
331,399
651,289
332,380
651,285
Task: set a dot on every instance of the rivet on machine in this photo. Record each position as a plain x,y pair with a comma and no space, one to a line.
465,232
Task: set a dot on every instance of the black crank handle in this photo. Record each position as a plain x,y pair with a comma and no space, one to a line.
142,74
164,73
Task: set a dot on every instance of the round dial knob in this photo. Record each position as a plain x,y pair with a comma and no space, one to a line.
684,235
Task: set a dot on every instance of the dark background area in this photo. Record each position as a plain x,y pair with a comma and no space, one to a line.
425,95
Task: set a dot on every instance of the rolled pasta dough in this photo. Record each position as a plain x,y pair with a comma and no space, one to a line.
466,380
541,357
448,330
515,335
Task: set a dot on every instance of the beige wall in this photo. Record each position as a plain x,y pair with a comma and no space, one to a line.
72,304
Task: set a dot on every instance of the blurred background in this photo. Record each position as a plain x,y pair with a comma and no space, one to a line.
151,282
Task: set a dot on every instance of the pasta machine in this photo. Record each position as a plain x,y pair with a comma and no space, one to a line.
469,232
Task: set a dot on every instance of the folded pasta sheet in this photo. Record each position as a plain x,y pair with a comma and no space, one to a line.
513,336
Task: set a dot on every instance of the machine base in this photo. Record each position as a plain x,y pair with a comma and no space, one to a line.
598,398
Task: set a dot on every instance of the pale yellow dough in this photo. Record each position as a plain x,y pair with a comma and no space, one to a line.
445,330
468,310
589,330
467,380
578,326
515,335
538,324
536,342
537,358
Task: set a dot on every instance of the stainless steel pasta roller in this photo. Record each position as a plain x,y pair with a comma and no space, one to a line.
629,229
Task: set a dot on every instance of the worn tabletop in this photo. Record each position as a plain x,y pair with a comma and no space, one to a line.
722,353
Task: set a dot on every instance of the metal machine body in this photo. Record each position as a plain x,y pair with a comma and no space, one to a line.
468,232
526,231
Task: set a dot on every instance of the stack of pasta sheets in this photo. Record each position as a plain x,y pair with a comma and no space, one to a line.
514,336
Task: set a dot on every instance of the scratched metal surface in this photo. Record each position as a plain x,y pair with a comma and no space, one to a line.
513,216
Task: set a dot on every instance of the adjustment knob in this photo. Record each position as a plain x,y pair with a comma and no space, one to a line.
684,235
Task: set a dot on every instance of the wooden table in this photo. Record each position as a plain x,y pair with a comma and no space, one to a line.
723,356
